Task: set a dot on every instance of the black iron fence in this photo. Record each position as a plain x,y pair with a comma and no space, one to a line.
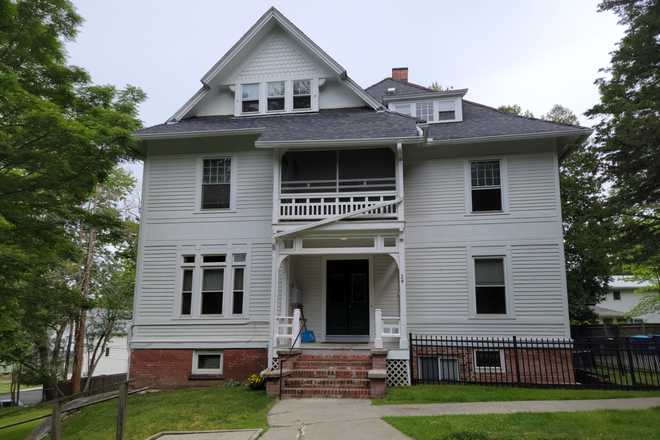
624,363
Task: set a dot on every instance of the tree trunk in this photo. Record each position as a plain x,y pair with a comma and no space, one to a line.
79,347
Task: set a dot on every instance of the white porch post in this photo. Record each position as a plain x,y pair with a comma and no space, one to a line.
295,329
274,290
403,342
378,340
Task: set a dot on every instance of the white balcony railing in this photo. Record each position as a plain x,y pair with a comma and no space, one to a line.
319,207
386,327
287,328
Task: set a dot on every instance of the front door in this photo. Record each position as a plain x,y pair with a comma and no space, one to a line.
347,300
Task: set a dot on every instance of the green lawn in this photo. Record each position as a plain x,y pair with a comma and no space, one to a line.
179,410
5,387
13,415
639,424
475,393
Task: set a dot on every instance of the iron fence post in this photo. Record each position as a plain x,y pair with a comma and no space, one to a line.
631,365
515,353
410,349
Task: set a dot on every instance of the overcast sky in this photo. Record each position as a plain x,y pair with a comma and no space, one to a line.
527,52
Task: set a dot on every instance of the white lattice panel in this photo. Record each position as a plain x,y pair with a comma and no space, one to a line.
276,364
278,58
397,373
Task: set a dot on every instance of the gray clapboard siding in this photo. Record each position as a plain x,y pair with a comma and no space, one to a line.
434,187
200,332
254,189
386,285
171,184
156,286
537,283
490,329
436,281
531,183
260,282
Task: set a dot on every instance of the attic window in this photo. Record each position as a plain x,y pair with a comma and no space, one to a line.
302,94
276,96
446,110
250,98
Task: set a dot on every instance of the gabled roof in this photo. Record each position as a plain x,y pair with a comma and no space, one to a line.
249,42
327,125
626,282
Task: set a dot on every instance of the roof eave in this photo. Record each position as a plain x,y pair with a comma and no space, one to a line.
581,135
322,143
198,134
426,95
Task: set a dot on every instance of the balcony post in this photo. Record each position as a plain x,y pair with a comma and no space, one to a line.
378,340
295,329
403,342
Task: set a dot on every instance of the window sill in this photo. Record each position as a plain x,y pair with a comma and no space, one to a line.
483,213
495,317
206,376
215,211
215,320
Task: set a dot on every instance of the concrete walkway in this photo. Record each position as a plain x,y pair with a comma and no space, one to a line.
348,419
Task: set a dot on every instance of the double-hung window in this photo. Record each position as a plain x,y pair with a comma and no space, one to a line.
213,281
216,183
424,110
276,96
187,288
250,98
490,287
238,293
486,186
302,94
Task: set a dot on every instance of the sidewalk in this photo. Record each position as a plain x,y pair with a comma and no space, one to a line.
348,419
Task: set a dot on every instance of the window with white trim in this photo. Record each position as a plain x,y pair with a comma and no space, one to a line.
486,186
435,368
213,285
302,94
250,98
445,110
207,362
276,96
616,295
216,183
490,286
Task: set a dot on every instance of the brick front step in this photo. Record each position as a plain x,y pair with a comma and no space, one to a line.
356,393
327,383
335,357
331,364
329,373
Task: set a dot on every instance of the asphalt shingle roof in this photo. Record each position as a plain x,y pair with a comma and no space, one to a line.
335,124
483,121
379,89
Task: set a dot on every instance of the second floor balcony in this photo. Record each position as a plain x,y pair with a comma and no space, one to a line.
316,185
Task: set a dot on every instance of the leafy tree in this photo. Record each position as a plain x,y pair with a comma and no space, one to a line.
438,88
515,110
630,106
60,136
561,114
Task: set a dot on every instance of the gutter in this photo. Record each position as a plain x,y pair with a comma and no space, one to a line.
339,142
337,218
582,135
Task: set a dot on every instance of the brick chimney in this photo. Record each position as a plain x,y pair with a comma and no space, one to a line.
400,73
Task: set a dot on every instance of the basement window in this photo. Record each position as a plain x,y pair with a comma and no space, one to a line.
489,359
207,362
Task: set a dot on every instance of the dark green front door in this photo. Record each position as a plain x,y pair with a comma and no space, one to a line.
347,297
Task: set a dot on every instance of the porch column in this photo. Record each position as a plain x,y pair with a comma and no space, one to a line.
403,342
275,280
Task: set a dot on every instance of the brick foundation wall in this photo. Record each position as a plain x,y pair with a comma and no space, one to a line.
535,366
168,369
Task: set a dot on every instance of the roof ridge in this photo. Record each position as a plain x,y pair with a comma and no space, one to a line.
400,82
523,117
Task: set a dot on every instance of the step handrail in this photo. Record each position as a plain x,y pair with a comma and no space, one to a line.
293,344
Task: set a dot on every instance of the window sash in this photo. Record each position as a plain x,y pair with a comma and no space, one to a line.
216,183
239,291
212,291
487,359
490,286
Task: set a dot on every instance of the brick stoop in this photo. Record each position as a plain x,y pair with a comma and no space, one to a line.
335,376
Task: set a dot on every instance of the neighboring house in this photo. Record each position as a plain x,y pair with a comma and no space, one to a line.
114,359
621,300
283,183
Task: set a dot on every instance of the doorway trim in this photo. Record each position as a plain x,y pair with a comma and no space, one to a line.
324,286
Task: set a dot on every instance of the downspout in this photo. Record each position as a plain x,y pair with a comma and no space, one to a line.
423,131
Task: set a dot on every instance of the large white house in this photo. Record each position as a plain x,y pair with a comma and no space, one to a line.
282,183
621,299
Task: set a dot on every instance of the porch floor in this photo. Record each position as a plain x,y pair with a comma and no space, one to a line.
341,347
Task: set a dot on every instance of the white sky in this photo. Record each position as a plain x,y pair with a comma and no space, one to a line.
527,52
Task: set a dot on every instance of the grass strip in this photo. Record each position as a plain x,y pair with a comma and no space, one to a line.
474,393
638,424
21,431
178,410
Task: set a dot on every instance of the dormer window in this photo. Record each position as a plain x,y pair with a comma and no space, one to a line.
250,98
433,111
302,94
276,96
